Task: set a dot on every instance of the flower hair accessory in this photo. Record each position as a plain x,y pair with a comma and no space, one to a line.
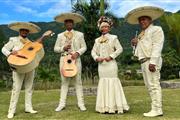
104,19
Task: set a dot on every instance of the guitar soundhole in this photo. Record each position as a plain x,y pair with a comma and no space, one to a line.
69,61
30,48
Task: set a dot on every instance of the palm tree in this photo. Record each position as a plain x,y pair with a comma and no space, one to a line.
171,55
101,7
173,32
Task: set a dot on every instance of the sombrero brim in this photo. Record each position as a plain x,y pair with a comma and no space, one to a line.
24,25
153,12
66,16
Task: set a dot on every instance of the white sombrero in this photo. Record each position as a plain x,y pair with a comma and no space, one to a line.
69,16
153,12
24,25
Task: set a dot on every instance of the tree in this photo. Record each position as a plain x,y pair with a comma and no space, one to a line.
171,53
101,7
171,22
3,63
171,64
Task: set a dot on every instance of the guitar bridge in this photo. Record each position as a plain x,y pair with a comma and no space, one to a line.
22,56
69,69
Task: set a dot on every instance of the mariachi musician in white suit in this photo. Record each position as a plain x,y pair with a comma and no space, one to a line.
70,41
149,44
11,48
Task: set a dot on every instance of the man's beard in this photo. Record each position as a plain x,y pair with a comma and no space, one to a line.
24,36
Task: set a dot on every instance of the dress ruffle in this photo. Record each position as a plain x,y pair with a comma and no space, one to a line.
110,96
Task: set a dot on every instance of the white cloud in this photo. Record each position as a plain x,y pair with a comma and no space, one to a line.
59,7
23,9
45,10
121,8
29,2
8,21
38,2
31,7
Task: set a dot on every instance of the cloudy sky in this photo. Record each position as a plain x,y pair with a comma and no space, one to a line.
45,10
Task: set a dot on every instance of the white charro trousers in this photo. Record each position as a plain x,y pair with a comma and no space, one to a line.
65,85
18,79
152,82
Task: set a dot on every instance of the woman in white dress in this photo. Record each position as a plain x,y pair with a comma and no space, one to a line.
110,94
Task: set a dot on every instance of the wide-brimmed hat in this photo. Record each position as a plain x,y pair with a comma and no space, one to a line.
104,21
150,11
24,25
69,16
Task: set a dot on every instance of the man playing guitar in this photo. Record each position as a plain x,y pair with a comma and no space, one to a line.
12,48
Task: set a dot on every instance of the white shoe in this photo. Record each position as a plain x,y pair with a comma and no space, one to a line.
59,108
120,112
10,115
31,111
153,113
82,108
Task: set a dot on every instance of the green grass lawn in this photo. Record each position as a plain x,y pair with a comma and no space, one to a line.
137,97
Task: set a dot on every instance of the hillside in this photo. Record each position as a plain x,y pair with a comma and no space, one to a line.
124,31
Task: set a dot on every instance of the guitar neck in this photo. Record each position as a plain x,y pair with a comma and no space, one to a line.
45,35
40,40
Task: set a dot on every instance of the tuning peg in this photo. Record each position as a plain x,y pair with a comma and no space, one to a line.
52,34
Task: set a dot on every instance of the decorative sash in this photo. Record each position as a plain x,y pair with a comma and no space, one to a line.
68,35
103,39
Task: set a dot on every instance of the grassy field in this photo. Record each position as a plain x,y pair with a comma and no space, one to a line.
137,97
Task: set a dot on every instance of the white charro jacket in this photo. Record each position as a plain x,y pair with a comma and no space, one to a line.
14,43
151,44
78,43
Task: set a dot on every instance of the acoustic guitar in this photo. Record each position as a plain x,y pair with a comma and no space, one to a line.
29,56
69,68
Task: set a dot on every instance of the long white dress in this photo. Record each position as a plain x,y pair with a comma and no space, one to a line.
110,94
